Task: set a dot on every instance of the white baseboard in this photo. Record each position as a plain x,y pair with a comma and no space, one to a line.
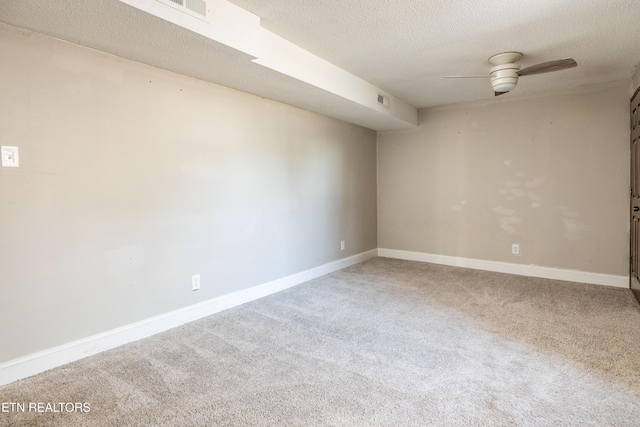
506,267
36,363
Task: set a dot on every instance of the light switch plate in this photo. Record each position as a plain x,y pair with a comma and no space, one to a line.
10,157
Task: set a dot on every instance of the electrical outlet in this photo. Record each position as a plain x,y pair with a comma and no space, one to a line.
10,157
195,282
515,249
342,245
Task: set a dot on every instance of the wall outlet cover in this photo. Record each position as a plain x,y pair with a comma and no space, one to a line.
10,157
195,282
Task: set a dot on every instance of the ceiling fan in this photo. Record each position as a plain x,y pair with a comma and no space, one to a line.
505,71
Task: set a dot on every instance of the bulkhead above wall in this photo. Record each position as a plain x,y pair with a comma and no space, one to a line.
227,46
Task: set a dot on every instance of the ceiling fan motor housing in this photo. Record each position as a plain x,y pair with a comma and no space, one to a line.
504,77
504,74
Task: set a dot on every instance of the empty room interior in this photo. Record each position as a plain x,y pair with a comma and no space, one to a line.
345,213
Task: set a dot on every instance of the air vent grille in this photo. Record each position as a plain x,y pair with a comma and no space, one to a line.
192,7
197,6
383,100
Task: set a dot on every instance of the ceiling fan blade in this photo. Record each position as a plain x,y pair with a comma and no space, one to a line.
467,77
547,67
499,93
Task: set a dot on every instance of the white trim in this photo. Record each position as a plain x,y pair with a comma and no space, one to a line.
36,363
506,267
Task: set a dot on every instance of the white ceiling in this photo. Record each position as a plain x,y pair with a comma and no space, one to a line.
406,46
401,47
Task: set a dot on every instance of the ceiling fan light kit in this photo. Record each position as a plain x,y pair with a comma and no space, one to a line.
504,77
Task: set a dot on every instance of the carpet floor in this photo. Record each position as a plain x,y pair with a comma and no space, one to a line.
382,343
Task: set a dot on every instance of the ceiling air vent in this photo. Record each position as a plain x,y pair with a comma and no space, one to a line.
197,8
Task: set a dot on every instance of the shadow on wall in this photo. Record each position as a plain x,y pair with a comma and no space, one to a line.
544,172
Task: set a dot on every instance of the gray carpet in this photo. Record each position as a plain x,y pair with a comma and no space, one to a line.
382,343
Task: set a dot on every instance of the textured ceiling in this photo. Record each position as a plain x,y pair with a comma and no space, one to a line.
403,47
406,46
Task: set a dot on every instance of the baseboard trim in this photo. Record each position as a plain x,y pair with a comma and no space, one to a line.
506,267
42,361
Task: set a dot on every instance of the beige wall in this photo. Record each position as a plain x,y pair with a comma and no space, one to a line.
636,78
132,179
549,172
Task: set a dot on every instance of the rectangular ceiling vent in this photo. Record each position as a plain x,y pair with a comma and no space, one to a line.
197,8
